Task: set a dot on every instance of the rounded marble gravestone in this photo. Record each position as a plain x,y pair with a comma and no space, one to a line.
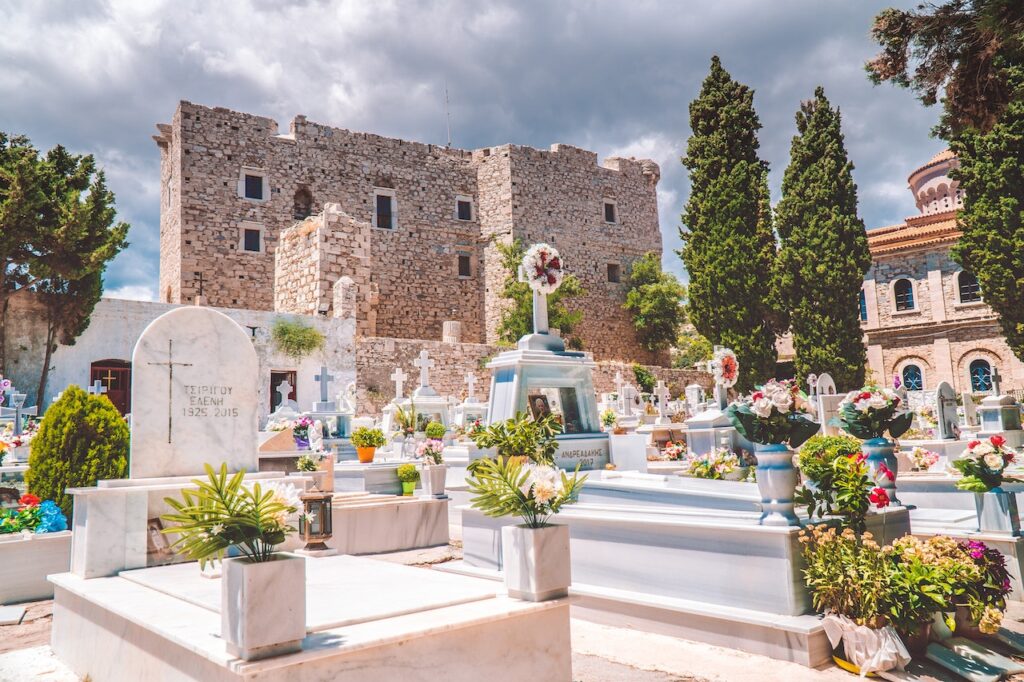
194,396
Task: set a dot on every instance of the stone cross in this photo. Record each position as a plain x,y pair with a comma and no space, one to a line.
18,411
170,383
399,377
324,379
471,382
284,389
424,363
812,384
97,388
618,385
661,392
629,394
997,381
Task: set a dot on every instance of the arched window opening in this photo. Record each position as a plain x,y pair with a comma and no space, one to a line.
912,378
981,376
970,290
302,205
903,290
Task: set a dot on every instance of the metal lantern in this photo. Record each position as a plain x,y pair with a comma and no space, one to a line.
315,524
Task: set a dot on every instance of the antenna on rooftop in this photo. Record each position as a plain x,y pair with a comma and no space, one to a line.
447,114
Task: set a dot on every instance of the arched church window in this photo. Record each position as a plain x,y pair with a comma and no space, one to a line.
302,205
967,284
903,290
981,376
912,378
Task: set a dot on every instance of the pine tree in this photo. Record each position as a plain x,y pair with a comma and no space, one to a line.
992,220
728,243
824,249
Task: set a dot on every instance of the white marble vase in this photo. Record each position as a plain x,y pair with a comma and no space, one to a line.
776,481
256,622
997,512
536,562
433,478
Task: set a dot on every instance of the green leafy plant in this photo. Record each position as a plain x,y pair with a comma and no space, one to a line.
522,436
295,339
775,413
644,378
516,486
225,512
407,473
435,430
817,454
366,437
654,300
691,348
307,463
608,418
81,439
406,419
847,574
870,412
848,491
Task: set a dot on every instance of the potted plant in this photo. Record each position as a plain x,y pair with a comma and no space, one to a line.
838,481
435,471
225,513
535,552
435,430
868,414
609,419
983,465
409,476
311,464
774,418
848,576
300,432
366,442
522,436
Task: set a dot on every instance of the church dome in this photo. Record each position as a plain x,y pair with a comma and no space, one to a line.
934,191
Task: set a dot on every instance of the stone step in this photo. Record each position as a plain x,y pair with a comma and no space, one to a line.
1011,640
978,652
923,671
969,669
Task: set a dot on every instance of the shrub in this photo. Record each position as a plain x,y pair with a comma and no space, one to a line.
295,339
818,453
435,430
522,436
408,473
365,437
82,439
644,378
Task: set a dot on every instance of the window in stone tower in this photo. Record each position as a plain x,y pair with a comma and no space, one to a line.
614,273
863,307
903,291
302,204
610,212
465,265
251,240
384,208
463,208
968,287
253,187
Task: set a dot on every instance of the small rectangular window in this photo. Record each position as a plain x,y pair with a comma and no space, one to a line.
609,212
251,240
253,187
614,273
863,307
465,265
465,209
384,211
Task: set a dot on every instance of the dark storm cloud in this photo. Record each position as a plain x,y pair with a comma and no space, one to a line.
615,77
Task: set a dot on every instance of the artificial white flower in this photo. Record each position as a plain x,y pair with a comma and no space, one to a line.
762,407
545,482
783,400
994,460
863,405
286,494
983,449
878,401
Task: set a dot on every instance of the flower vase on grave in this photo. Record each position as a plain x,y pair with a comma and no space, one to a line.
255,622
776,481
882,451
434,479
997,512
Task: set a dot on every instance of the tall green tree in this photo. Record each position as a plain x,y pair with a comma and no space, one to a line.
824,248
517,319
960,49
655,300
728,243
991,175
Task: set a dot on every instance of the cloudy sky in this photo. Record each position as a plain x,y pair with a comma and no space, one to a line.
614,77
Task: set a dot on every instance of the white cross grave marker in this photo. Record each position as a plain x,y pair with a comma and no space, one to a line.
424,363
284,389
324,379
661,392
471,383
997,381
97,388
399,377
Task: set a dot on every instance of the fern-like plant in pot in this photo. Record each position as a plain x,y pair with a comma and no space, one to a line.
225,513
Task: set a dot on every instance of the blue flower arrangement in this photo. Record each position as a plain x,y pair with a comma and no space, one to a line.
51,518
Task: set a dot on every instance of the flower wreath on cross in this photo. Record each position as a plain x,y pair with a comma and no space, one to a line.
542,268
726,367
5,385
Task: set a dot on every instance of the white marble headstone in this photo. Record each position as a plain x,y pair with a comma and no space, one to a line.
194,396
945,410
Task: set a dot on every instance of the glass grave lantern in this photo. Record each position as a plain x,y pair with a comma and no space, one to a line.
315,523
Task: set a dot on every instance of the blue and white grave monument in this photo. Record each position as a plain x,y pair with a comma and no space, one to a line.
712,429
541,377
1000,415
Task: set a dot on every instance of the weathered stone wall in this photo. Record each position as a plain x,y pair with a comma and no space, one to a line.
675,379
554,195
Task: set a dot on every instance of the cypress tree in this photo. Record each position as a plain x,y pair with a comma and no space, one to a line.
824,249
992,220
728,243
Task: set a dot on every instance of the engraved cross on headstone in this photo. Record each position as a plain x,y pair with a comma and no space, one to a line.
170,383
399,377
97,388
997,381
424,363
471,383
324,379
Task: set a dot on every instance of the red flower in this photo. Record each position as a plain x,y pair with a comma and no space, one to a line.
757,395
554,263
973,444
865,395
1008,458
887,472
895,400
552,279
997,441
879,497
28,500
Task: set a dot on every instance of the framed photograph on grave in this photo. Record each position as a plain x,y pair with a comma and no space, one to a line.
158,547
539,405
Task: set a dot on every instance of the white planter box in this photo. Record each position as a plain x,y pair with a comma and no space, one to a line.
628,452
26,560
433,479
997,512
536,562
257,620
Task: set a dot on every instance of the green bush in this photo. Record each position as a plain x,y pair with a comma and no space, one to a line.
818,453
435,430
365,437
408,473
644,378
82,439
295,339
